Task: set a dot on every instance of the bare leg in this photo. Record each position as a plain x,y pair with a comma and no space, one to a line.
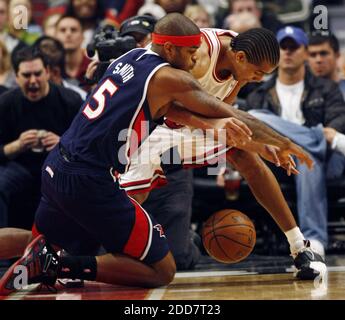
123,270
264,186
13,242
141,197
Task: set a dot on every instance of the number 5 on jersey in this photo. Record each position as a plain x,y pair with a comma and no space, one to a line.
99,96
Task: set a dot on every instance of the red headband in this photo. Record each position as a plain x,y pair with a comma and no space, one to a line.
180,41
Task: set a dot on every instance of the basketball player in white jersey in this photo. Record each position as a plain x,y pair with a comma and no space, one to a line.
226,62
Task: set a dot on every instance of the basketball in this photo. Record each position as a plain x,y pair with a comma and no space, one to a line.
229,236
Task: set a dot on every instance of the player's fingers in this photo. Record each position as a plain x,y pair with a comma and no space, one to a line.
292,161
244,127
274,154
239,133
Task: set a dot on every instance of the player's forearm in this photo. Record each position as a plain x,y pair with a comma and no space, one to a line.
261,132
187,118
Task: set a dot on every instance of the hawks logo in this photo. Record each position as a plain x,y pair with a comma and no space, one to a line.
159,228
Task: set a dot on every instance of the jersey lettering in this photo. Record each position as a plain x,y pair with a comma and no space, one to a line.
99,96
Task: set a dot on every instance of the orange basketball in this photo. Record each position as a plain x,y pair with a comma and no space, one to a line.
229,236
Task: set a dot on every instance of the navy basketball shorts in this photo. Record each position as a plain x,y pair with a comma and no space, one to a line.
81,213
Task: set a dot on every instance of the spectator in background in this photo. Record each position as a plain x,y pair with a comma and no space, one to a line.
267,19
152,9
70,33
241,22
89,13
170,6
299,103
32,119
199,16
10,41
341,63
118,11
7,77
140,28
323,57
50,19
28,34
52,49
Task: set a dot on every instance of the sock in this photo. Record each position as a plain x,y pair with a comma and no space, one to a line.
83,267
295,238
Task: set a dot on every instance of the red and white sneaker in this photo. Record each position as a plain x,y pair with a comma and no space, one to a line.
41,263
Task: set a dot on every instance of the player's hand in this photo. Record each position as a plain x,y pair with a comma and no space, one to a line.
50,140
284,160
295,150
237,132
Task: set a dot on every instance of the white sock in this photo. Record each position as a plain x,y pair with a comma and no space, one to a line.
295,238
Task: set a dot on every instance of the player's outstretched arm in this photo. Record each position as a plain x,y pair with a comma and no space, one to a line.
234,138
181,86
235,131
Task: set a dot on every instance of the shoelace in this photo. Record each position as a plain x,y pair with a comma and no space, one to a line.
305,248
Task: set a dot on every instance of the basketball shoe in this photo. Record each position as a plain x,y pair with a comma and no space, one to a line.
308,263
41,263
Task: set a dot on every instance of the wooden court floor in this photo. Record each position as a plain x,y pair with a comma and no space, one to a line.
259,278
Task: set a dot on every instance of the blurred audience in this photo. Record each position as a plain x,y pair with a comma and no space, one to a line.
54,52
7,77
199,16
297,104
241,22
70,33
324,54
267,19
153,9
89,13
140,28
27,34
118,11
32,119
50,19
9,40
173,5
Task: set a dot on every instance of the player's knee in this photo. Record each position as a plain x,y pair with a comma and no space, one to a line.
166,270
168,276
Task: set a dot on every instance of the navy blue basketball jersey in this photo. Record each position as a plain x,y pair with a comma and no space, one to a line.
115,119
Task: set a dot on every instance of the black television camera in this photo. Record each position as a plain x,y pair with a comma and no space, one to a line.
109,45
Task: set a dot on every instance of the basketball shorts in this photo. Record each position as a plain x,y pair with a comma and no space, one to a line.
194,148
82,213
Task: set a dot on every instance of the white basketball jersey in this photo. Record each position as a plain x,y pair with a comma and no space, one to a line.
210,82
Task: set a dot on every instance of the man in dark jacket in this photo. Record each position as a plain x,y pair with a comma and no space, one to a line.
32,119
298,104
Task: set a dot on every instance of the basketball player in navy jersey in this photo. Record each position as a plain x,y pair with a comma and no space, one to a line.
81,210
